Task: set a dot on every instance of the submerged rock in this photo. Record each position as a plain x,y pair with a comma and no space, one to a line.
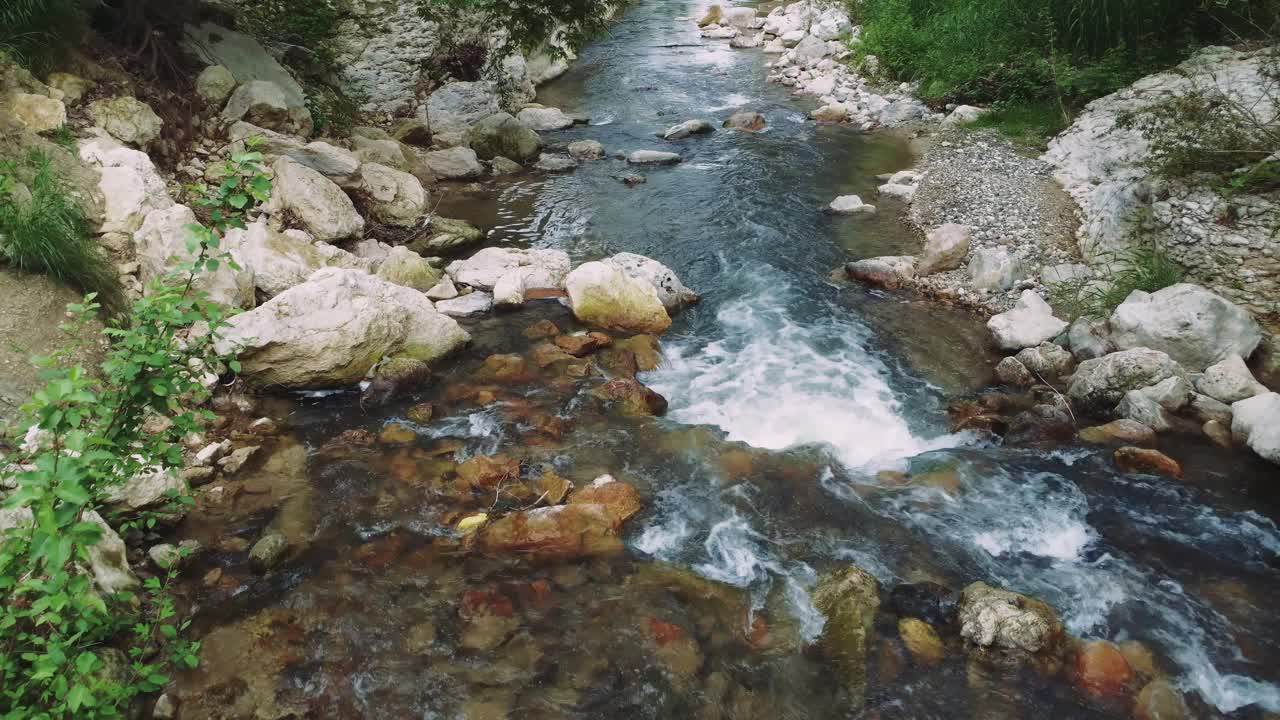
563,532
1147,461
1159,700
633,397
848,599
748,121
1129,432
269,551
1102,671
922,641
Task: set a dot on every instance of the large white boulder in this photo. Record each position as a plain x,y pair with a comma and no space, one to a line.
688,128
1194,326
130,185
283,260
673,293
543,268
1256,422
126,119
161,245
393,197
546,270
740,17
458,163
215,84
1229,381
1099,384
260,103
321,207
501,135
244,58
653,157
454,108
810,50
544,118
37,112
1028,324
407,268
603,295
329,331
850,205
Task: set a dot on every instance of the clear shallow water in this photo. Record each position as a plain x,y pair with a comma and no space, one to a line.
787,396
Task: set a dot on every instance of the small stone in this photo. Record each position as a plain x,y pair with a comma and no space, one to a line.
232,463
215,84
1129,432
268,551
1159,700
421,413
922,641
166,708
397,434
1218,433
586,150
584,344
541,329
1011,371
747,121
196,476
264,426
1147,461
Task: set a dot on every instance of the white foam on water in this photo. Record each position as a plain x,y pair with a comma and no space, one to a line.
774,383
732,101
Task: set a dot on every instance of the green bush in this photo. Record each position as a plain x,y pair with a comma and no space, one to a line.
1064,52
48,233
529,24
40,33
58,634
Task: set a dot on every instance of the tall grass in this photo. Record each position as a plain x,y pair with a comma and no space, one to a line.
49,232
1144,268
1035,51
40,33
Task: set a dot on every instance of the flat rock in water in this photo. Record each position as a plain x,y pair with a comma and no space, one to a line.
653,157
473,303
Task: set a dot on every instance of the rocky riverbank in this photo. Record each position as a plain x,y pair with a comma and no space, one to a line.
1001,233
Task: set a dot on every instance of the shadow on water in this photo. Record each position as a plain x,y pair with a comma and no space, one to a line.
805,432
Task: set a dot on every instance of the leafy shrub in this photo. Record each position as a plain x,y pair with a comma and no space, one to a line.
58,633
49,233
308,24
333,112
1206,131
529,24
1064,52
1146,268
40,33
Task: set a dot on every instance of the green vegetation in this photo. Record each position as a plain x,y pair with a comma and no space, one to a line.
40,33
333,112
1034,57
69,650
530,25
1144,268
48,232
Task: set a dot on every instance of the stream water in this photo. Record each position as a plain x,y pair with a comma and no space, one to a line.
788,396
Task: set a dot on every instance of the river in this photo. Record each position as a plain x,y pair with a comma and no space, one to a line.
789,398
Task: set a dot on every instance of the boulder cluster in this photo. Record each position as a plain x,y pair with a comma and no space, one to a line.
1171,361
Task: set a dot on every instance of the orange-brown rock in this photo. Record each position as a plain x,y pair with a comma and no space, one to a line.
1102,671
618,498
1160,701
675,648
922,641
559,532
547,354
541,329
553,487
632,397
487,471
647,349
618,362
503,369
583,345
420,413
1148,461
397,434
1129,432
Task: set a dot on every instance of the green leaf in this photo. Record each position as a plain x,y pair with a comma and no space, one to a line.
238,201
